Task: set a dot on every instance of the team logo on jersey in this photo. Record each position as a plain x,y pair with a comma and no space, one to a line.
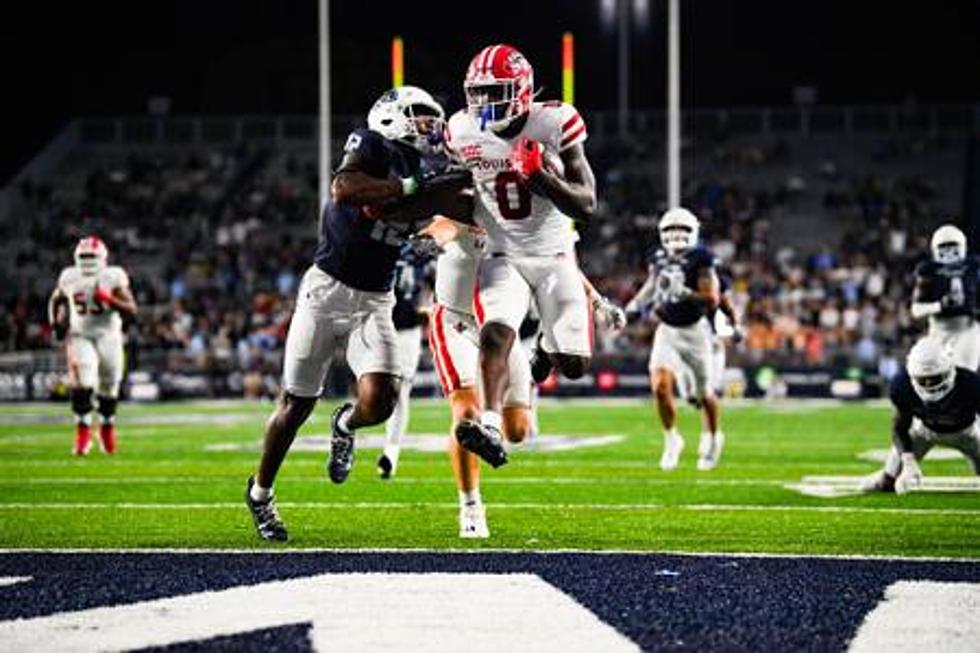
473,151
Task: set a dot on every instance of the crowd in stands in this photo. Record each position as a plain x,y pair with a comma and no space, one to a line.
216,242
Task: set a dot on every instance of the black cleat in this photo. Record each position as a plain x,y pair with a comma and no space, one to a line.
541,365
385,469
341,449
268,523
484,441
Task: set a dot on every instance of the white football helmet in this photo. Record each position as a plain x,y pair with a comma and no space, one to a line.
679,230
931,368
411,115
948,244
91,255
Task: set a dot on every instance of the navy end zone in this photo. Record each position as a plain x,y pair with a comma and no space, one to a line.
658,601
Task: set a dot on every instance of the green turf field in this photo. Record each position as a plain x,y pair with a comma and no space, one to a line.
179,477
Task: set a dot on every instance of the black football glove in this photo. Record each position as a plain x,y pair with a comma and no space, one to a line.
424,246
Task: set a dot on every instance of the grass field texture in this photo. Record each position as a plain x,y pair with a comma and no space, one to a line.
179,477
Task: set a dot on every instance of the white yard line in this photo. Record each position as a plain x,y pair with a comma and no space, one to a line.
392,505
278,550
503,480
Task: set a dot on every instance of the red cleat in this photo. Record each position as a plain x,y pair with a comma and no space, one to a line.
107,435
83,439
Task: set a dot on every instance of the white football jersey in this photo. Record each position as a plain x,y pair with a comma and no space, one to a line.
456,270
517,221
89,317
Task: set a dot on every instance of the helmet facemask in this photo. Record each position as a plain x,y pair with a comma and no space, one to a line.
409,115
949,252
90,256
494,104
677,238
933,387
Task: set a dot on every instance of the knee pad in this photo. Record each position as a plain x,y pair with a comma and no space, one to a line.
107,406
81,401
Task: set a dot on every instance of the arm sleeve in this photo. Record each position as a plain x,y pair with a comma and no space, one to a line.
571,125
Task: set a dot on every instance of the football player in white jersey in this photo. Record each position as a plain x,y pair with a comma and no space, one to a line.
85,309
454,341
531,175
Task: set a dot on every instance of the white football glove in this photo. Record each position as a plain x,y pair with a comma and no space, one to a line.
910,478
608,314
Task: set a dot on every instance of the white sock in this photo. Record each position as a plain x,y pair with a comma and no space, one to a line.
342,421
470,498
260,494
397,424
492,418
671,433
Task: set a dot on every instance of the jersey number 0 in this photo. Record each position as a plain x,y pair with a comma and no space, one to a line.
513,196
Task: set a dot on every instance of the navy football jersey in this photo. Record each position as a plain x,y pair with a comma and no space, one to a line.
673,275
359,251
956,282
954,412
412,275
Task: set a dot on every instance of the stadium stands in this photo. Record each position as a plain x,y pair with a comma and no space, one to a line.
215,220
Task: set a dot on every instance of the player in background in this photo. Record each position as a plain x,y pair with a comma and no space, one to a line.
87,306
412,294
936,402
454,340
383,191
683,287
531,174
946,292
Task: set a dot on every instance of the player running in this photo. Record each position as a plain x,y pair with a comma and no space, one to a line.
412,282
454,340
683,287
946,292
88,305
531,174
382,192
936,402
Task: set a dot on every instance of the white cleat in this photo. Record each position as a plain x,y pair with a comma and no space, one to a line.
709,450
673,446
473,522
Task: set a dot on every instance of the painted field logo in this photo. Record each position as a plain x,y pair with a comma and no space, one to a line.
352,612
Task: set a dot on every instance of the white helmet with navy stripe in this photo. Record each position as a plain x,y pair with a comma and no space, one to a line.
411,115
948,244
931,368
679,229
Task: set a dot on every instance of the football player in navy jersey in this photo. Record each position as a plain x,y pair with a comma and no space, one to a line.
383,191
414,276
683,287
946,292
935,402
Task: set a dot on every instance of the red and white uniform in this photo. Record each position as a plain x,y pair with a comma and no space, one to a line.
95,341
530,243
454,333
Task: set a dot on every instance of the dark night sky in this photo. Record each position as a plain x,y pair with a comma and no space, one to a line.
246,56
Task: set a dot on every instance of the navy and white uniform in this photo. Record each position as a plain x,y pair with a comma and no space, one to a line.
413,282
955,287
347,292
681,338
953,421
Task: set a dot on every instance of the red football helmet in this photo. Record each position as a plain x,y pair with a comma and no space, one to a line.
499,86
91,255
